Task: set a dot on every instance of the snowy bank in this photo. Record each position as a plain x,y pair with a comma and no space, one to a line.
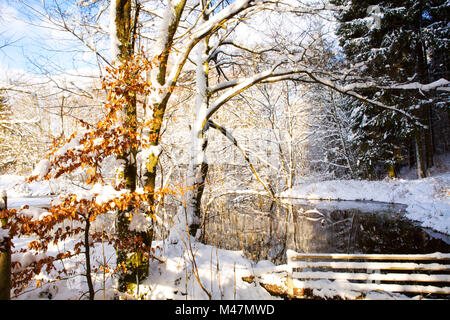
427,200
17,187
219,271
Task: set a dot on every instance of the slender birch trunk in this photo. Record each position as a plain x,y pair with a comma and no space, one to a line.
198,166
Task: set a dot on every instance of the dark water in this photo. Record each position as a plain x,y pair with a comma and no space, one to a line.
265,230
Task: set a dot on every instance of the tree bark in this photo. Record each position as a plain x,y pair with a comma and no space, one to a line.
425,111
87,255
198,166
390,169
5,272
135,263
123,48
428,136
5,257
420,161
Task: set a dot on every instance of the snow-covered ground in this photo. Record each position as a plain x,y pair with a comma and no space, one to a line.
17,189
219,271
222,273
173,277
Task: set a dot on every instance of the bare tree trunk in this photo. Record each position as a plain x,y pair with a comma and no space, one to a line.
87,254
135,263
425,149
5,257
122,48
428,136
198,166
159,80
420,161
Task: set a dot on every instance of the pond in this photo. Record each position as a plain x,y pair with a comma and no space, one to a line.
264,230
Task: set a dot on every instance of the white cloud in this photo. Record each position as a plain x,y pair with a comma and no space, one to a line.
11,24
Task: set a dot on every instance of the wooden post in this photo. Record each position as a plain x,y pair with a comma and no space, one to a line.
290,284
5,256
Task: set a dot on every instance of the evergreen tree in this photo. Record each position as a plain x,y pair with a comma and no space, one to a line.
390,42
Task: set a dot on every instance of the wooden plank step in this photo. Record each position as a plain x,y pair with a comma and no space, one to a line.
371,276
371,265
294,256
365,287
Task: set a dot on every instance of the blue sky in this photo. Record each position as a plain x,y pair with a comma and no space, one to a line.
22,39
35,47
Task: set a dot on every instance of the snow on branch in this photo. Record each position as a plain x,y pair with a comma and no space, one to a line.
206,28
238,87
440,85
241,47
349,90
298,74
20,121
